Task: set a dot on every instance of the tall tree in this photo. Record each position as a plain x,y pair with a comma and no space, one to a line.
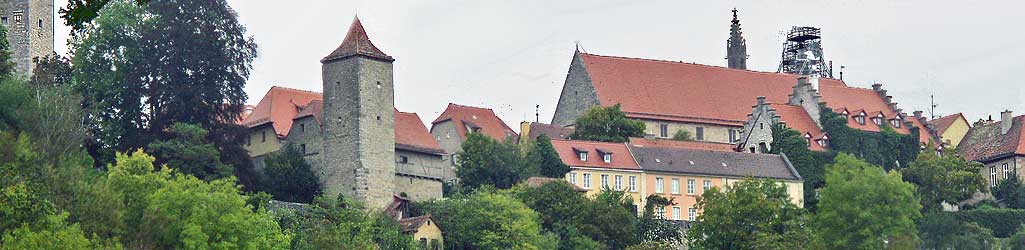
548,161
753,214
485,161
489,220
948,178
188,152
864,207
653,227
809,163
331,223
567,213
289,177
607,124
79,13
6,65
51,70
1010,192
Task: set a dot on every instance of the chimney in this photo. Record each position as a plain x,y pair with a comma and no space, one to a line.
877,87
761,100
1005,122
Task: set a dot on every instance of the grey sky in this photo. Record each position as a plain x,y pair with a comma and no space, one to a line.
511,55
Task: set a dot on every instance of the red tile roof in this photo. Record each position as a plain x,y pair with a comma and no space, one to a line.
665,143
684,91
357,42
483,118
838,96
569,152
986,143
551,130
943,123
280,106
796,118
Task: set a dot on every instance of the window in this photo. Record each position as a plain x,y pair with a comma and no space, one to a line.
993,176
633,184
733,135
1006,170
619,183
699,133
17,18
40,23
263,136
663,130
676,186
302,147
878,121
302,127
860,119
660,212
403,159
607,158
896,123
658,185
707,185
583,156
604,181
807,138
423,243
691,214
587,180
690,186
3,20
572,178
676,213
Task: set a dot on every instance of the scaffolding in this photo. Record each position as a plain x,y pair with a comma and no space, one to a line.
802,53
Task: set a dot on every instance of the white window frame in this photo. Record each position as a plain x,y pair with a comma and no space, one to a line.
604,181
676,213
659,185
587,180
572,178
632,183
619,182
663,130
692,214
707,185
993,176
660,212
1007,171
675,188
690,186
583,156
607,158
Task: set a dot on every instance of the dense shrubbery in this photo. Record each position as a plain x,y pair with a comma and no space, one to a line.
1002,221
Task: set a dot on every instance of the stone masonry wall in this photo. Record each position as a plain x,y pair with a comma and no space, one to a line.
29,25
417,188
447,136
578,93
713,133
806,96
758,128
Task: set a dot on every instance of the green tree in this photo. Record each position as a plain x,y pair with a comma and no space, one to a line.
51,70
330,223
484,161
1010,192
1017,241
548,161
809,163
78,14
188,152
942,230
52,233
489,220
607,124
753,214
6,65
864,207
683,135
949,179
655,228
289,177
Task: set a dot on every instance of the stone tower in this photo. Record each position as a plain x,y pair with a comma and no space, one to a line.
736,47
359,121
29,25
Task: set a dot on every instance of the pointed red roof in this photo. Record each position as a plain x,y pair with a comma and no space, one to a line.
474,117
796,118
357,43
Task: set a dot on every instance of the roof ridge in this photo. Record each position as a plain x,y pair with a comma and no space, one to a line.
295,89
690,63
468,106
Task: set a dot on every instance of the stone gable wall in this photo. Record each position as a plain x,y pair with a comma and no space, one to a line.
33,35
758,128
578,94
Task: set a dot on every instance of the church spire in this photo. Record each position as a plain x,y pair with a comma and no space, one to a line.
736,46
357,43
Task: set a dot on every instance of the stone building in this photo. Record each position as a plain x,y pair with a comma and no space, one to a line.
352,135
951,128
736,46
457,121
999,145
865,109
29,25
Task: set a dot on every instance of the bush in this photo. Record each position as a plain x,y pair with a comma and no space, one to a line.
1002,221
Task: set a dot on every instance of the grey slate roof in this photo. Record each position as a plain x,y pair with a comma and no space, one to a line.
715,163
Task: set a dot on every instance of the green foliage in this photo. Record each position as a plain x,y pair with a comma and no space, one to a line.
1002,221
188,152
1017,241
51,233
862,206
683,135
655,228
289,177
607,124
810,164
650,245
1010,191
582,223
548,161
51,70
48,113
949,178
489,220
484,161
942,230
78,14
752,214
6,65
330,223
886,148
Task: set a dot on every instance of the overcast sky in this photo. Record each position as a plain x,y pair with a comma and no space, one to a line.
511,55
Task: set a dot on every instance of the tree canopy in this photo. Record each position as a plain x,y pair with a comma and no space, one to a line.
547,160
288,176
607,124
485,161
948,178
490,220
752,214
189,153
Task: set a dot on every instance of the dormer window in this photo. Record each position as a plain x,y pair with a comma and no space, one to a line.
607,158
807,138
895,122
824,141
845,113
878,120
583,156
860,119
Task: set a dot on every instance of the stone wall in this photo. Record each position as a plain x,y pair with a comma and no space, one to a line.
447,136
578,93
262,140
758,128
712,132
29,26
807,96
1015,165
359,130
418,188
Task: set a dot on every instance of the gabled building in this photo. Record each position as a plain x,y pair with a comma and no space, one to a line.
531,130
864,109
999,145
452,126
423,229
352,135
951,129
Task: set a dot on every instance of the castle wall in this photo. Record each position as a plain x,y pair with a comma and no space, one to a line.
578,94
712,132
29,25
447,136
758,128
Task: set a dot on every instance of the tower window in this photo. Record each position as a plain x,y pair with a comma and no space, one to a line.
699,133
4,20
378,118
378,84
338,83
403,159
302,147
40,23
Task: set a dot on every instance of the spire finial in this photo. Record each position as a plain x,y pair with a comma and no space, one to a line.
734,14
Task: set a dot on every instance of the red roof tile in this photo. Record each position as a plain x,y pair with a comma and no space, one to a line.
838,96
280,106
483,118
987,142
357,42
684,90
665,143
569,152
796,118
551,130
943,123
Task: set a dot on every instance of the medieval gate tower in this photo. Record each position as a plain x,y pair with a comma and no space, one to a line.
359,121
29,25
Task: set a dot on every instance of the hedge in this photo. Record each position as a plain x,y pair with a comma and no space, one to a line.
1003,221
